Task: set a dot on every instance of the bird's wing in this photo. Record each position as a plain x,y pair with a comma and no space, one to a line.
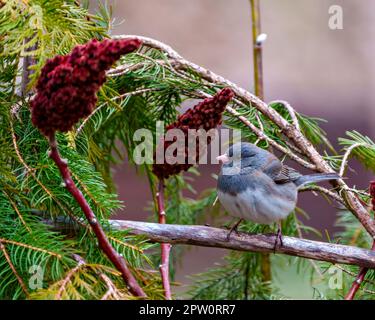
287,174
272,166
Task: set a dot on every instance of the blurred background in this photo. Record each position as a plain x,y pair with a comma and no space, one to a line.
322,72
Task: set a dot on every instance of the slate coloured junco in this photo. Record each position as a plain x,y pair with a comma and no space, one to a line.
254,185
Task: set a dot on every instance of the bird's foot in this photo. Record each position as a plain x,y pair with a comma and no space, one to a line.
278,240
234,228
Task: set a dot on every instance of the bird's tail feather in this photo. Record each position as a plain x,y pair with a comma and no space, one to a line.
316,177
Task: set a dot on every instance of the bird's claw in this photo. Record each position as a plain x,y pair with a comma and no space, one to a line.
278,239
234,228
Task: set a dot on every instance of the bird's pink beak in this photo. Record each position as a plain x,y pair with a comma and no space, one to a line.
223,159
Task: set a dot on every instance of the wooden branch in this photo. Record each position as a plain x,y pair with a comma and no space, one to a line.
214,237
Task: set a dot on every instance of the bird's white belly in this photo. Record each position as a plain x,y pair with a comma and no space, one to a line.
257,206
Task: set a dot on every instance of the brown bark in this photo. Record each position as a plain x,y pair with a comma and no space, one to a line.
214,237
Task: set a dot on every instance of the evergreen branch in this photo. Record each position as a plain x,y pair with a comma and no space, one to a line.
17,211
66,225
365,152
363,270
125,244
86,190
112,290
329,193
214,237
237,279
20,244
127,94
312,262
11,265
108,249
81,282
66,280
354,275
165,247
31,171
290,131
358,280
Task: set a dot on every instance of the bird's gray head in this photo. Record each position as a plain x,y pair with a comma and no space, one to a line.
243,155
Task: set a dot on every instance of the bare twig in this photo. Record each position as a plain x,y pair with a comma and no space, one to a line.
105,245
257,49
259,91
123,69
214,237
290,110
368,291
165,247
345,159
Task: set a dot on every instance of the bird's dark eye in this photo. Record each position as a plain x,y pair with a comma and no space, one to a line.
247,154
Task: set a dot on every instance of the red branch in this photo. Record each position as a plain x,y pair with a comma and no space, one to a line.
362,272
358,281
165,247
105,245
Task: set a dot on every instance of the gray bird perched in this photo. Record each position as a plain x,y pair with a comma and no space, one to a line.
254,185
